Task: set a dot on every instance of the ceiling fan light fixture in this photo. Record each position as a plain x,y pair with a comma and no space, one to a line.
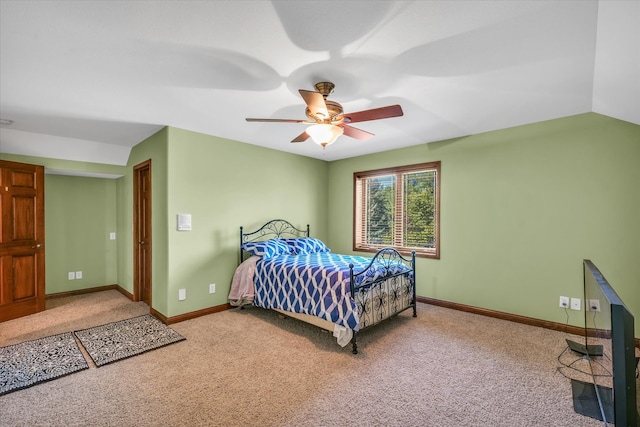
324,134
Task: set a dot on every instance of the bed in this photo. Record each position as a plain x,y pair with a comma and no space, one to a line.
281,267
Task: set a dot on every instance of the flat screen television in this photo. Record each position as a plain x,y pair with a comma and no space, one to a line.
610,348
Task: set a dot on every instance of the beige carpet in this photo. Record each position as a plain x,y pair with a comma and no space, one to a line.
254,367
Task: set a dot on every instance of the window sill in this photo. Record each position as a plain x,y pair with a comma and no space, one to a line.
403,251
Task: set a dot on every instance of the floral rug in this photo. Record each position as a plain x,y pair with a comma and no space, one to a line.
32,362
120,340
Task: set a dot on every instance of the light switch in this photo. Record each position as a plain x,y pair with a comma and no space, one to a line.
184,222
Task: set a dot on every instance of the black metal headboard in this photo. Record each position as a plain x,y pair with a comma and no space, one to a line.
274,229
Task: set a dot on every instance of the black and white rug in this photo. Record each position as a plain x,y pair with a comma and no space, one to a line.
120,340
33,362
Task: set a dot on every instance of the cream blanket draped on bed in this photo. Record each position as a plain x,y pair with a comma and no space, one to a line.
242,289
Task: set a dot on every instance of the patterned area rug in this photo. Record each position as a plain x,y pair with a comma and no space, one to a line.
33,362
120,340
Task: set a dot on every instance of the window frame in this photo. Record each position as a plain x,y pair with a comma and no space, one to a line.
434,252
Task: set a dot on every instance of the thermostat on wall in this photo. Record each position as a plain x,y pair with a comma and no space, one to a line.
184,222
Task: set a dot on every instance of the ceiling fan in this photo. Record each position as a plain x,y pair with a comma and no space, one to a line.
328,120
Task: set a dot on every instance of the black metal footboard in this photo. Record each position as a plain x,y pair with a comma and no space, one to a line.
381,291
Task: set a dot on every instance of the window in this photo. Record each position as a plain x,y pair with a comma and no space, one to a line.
398,207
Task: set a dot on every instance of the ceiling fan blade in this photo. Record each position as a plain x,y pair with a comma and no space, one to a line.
373,114
356,133
301,138
250,119
315,102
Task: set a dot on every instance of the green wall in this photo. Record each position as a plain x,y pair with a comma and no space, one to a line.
520,209
225,185
79,215
155,149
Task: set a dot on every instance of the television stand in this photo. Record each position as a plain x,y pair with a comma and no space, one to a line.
585,401
586,350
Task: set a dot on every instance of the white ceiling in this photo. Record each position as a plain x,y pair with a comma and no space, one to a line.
87,80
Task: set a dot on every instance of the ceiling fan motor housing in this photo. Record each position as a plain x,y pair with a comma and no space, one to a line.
334,117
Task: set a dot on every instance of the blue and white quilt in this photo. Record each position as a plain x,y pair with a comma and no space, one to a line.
314,283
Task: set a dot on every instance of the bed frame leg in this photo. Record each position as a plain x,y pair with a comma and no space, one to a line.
354,344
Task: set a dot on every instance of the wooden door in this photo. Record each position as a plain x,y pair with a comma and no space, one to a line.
142,232
22,275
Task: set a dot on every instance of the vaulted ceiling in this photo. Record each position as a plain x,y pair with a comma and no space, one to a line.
88,80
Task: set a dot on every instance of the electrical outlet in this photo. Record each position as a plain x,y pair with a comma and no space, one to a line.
72,275
78,274
594,305
564,302
112,236
212,288
575,303
182,294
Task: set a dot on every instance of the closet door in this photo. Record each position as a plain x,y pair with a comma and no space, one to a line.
22,275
